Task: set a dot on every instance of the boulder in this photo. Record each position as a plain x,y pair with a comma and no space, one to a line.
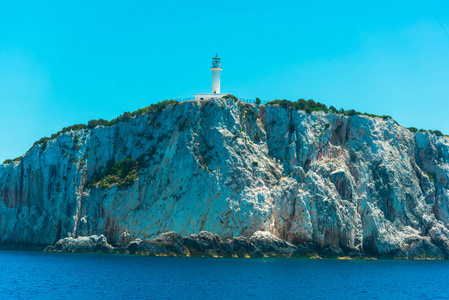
123,239
271,245
422,250
202,242
243,247
166,244
302,251
92,243
332,252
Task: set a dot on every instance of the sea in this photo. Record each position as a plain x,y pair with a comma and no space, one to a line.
42,275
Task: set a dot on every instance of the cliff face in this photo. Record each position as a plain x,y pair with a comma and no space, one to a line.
360,183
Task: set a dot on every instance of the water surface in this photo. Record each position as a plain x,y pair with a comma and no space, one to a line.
40,275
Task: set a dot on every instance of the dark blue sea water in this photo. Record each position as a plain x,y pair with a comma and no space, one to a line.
39,275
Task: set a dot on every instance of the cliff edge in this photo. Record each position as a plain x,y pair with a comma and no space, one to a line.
361,184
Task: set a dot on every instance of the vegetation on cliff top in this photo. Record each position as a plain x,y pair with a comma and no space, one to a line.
308,106
8,161
435,132
154,109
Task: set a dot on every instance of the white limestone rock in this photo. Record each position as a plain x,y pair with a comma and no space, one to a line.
92,243
363,184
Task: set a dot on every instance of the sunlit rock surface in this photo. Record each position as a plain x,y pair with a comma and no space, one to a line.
93,243
363,185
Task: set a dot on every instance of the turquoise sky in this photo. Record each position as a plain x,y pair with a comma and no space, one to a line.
66,62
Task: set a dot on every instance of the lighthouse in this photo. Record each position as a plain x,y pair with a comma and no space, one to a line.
216,69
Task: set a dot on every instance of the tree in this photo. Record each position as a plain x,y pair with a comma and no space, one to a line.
257,101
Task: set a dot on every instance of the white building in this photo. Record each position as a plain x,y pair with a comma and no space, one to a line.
216,68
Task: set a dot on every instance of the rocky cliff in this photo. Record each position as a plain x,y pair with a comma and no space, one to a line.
363,184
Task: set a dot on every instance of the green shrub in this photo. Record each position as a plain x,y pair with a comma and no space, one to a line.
94,123
332,109
42,141
8,161
308,106
122,174
229,96
75,127
351,112
255,163
250,112
257,101
430,175
257,138
412,129
436,132
327,125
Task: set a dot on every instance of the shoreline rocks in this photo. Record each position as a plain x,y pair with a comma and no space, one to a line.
206,244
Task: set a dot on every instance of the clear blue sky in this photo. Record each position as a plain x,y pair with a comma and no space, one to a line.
66,62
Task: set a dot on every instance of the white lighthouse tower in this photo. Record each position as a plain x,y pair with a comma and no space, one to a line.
216,68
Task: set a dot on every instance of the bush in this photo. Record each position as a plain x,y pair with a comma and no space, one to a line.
255,163
412,129
436,132
229,96
94,123
351,112
257,138
332,109
42,141
308,106
327,125
430,175
75,127
250,112
8,161
257,101
122,174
